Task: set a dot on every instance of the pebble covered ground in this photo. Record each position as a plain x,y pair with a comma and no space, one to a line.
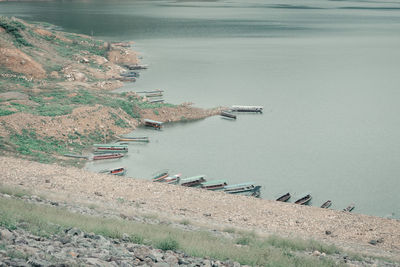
354,232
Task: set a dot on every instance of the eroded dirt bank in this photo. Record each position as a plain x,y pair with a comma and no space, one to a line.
347,230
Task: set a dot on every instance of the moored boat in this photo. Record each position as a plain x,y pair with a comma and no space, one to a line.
247,189
349,208
152,123
228,114
194,181
134,139
172,179
159,176
284,198
304,200
136,67
214,185
108,156
326,204
105,148
154,94
257,109
116,171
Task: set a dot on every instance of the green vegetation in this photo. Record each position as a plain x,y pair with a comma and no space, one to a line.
5,112
46,221
29,144
14,28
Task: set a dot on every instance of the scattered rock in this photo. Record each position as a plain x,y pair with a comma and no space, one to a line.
6,235
373,242
316,253
98,194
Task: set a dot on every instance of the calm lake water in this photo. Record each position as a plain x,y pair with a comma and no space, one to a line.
326,72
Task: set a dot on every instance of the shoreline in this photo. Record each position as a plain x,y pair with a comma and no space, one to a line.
350,231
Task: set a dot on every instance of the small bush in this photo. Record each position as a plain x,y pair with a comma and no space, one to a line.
244,240
185,222
168,243
229,230
137,239
5,112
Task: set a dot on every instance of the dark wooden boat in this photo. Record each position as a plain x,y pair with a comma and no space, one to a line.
194,181
152,123
214,185
130,74
257,109
117,171
349,208
136,67
284,198
108,156
326,205
304,200
227,114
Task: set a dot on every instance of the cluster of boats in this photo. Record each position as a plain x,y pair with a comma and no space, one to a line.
199,181
306,200
229,114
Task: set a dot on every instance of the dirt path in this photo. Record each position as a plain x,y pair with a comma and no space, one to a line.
348,231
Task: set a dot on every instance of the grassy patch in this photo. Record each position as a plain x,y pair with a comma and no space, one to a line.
168,243
14,28
45,221
40,148
5,112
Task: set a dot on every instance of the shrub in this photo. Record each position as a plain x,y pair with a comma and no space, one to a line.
5,112
168,243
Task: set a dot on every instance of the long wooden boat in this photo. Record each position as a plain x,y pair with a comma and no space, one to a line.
105,148
349,208
172,179
236,187
246,189
152,123
194,181
136,67
304,200
108,156
227,114
326,204
257,109
134,139
76,156
214,185
284,198
116,171
154,94
156,101
159,176
130,74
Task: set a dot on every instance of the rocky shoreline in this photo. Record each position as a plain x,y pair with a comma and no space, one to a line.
126,198
73,246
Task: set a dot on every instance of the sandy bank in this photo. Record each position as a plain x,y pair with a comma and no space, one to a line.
349,231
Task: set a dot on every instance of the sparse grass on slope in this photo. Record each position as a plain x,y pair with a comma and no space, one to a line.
45,221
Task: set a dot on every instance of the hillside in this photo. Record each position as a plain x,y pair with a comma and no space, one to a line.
56,92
